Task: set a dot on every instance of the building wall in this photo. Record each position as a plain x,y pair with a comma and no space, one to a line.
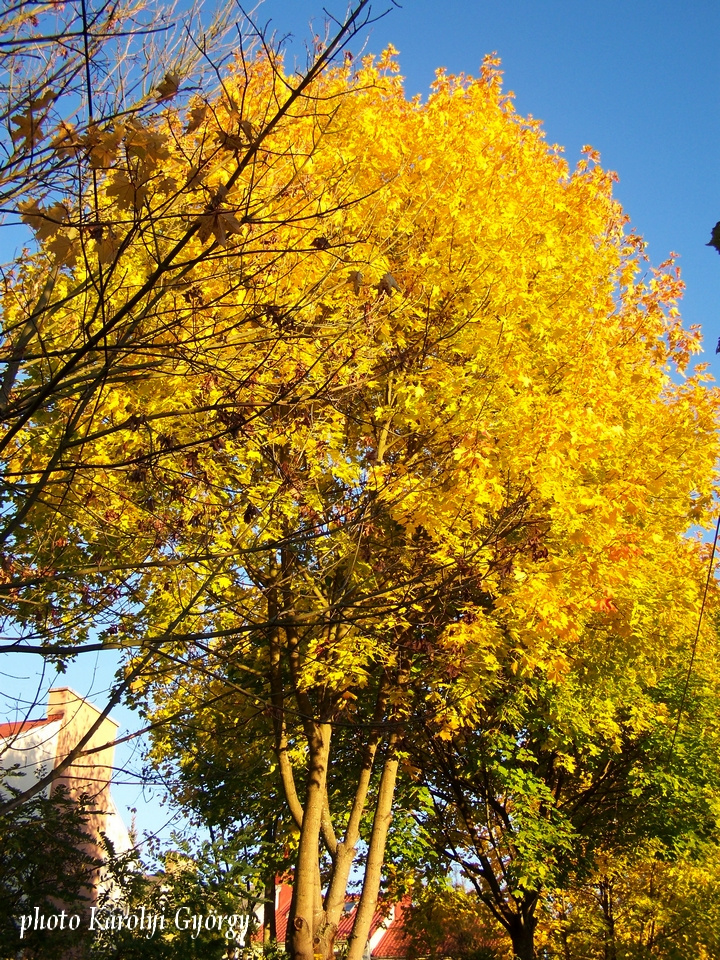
88,775
40,746
31,749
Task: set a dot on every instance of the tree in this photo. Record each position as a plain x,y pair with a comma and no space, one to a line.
651,886
636,906
94,191
93,313
448,921
48,865
70,74
411,434
178,909
558,777
521,547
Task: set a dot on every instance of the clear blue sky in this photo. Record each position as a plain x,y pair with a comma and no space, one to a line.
637,80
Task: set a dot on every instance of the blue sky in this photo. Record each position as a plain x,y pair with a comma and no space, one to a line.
636,80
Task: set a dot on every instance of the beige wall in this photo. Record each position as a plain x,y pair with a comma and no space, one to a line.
89,774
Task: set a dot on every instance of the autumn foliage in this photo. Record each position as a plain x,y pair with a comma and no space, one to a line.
364,426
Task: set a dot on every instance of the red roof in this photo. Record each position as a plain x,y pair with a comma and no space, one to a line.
392,944
14,727
348,918
395,942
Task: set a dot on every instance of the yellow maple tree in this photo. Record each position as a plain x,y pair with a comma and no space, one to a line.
343,400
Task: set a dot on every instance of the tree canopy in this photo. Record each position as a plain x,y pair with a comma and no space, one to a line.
364,427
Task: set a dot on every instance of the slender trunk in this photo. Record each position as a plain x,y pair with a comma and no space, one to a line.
565,944
606,901
345,854
375,858
651,937
269,921
306,910
344,858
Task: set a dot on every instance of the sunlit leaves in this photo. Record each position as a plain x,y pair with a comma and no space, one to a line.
375,403
26,128
168,87
45,221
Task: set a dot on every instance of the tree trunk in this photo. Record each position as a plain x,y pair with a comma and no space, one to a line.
565,944
269,921
345,853
522,935
606,902
376,855
306,910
